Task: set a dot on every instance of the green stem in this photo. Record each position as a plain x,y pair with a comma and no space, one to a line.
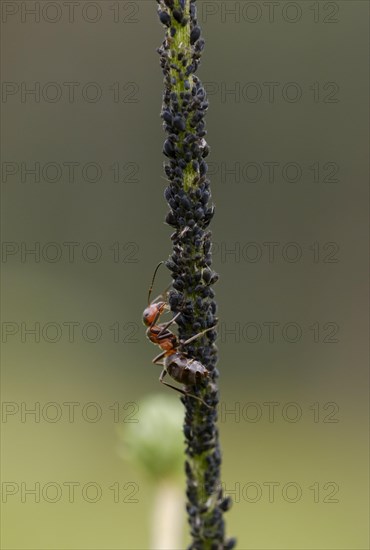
188,195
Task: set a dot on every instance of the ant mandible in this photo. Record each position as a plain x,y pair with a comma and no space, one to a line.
182,369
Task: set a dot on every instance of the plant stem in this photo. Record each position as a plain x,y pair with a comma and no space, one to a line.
188,195
167,520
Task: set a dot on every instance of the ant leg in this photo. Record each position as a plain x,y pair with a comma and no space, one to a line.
162,296
157,359
163,374
166,325
159,298
197,335
187,394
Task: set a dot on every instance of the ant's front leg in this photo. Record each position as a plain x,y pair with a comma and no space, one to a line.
184,343
162,297
165,326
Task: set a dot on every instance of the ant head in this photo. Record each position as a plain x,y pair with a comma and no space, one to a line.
152,312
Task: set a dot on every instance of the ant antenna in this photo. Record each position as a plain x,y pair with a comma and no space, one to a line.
152,283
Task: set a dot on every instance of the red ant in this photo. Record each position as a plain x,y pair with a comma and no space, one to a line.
158,333
182,369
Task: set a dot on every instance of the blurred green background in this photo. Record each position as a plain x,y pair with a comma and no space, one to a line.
288,164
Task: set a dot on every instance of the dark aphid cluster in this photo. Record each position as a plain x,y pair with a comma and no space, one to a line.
192,298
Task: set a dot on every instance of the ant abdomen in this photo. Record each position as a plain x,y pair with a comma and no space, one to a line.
184,370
